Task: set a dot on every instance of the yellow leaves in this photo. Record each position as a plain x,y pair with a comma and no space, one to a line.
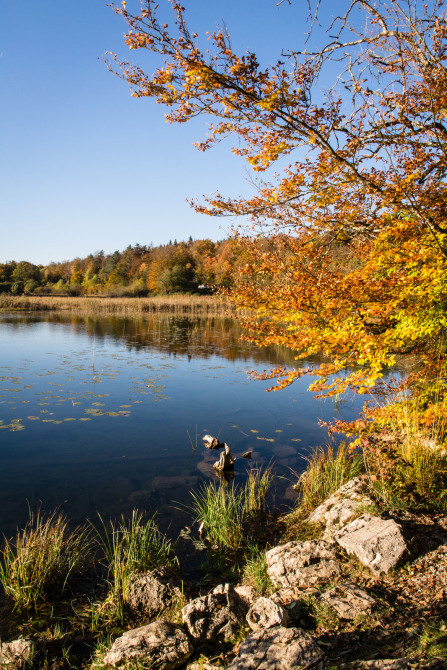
351,261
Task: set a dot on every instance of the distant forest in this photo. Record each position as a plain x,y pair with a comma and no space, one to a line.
178,267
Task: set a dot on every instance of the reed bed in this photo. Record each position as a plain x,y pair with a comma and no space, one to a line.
171,304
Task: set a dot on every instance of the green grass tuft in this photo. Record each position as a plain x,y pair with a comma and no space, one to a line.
255,571
327,470
225,510
221,510
131,546
43,558
256,489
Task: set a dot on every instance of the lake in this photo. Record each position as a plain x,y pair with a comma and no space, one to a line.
106,414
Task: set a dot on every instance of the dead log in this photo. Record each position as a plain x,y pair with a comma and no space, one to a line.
211,442
226,460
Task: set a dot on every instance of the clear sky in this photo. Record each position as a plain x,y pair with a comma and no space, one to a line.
83,166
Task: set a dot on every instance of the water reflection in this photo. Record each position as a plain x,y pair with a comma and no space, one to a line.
193,338
104,414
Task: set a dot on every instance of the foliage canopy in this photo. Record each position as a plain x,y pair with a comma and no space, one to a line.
349,241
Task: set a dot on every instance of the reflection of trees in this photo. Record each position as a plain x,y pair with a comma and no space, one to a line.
189,337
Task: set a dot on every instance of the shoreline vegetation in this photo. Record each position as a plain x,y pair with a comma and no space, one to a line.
168,304
69,593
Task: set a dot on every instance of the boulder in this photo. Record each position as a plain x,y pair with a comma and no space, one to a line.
377,543
342,506
15,654
218,615
348,600
151,592
278,648
302,563
265,613
162,644
247,594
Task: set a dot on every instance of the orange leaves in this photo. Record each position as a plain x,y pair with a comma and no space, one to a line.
347,251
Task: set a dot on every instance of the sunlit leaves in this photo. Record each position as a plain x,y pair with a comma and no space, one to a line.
347,254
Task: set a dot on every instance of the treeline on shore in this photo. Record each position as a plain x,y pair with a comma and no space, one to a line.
195,266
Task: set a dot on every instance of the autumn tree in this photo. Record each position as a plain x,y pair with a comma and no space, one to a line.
172,270
6,270
353,259
77,275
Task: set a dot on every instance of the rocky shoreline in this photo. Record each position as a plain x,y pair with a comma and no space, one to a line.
367,591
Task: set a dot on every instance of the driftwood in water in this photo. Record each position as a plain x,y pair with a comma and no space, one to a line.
246,454
211,442
226,460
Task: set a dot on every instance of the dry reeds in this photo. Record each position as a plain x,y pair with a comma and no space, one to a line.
171,304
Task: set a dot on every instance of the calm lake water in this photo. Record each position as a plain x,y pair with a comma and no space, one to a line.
107,414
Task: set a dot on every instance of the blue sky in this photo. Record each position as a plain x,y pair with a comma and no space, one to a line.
83,165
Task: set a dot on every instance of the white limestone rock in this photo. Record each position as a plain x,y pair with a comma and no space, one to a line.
348,600
265,613
377,543
15,654
342,506
149,593
161,644
302,563
279,648
218,615
247,594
